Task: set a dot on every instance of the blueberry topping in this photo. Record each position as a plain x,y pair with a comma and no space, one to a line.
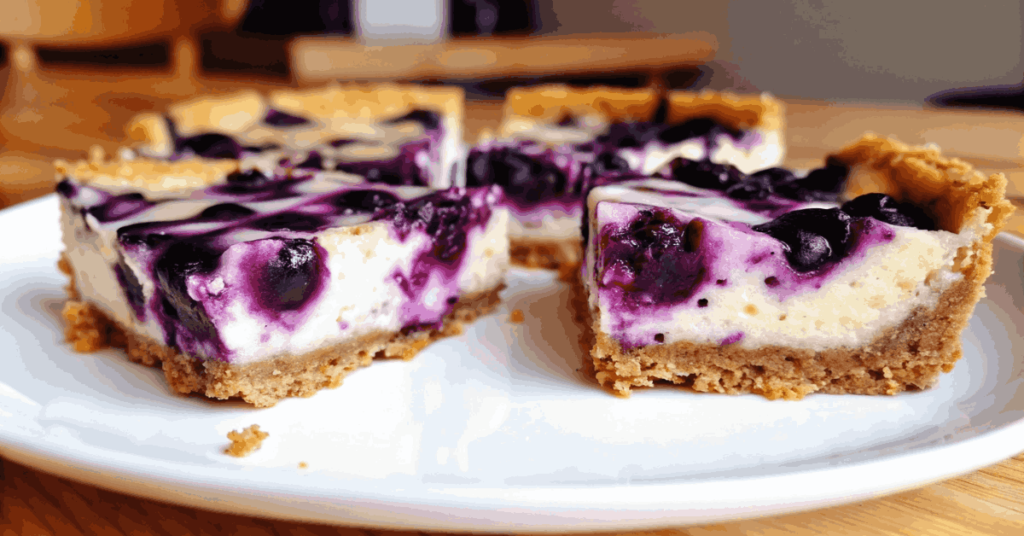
341,142
626,135
277,118
775,175
884,208
149,235
312,161
608,163
430,120
252,177
523,177
693,128
67,188
292,277
290,221
363,201
754,188
445,216
120,207
381,172
587,147
261,148
226,212
210,146
812,236
705,174
655,259
826,179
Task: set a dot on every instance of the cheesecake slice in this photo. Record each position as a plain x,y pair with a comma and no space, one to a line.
262,287
387,133
555,140
855,278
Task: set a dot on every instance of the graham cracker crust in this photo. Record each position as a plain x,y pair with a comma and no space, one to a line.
545,253
260,384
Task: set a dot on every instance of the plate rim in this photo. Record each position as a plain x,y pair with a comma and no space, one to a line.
529,508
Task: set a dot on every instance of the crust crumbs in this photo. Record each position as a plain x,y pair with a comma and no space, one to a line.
369,101
146,174
948,189
516,316
244,442
551,102
729,109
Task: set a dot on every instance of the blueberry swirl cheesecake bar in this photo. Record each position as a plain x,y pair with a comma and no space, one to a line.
553,139
857,277
387,133
262,287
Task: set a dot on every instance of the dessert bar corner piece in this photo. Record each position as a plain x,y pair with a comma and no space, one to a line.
556,140
267,287
388,133
782,297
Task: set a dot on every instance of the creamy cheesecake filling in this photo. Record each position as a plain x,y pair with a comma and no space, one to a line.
247,272
754,150
732,285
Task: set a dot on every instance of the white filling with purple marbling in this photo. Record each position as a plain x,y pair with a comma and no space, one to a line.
751,296
367,276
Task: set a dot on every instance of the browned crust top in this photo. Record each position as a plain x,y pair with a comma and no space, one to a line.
729,109
238,111
950,190
551,102
369,101
146,174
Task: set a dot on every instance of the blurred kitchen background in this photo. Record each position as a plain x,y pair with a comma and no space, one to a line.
73,71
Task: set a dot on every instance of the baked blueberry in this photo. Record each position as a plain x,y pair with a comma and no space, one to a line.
251,177
754,188
291,277
291,221
812,236
884,208
525,178
209,146
430,120
655,259
277,118
363,200
632,134
705,174
688,130
226,212
120,207
608,163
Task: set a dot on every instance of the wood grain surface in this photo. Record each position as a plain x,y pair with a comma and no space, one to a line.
70,112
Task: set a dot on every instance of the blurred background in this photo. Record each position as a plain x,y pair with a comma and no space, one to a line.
74,71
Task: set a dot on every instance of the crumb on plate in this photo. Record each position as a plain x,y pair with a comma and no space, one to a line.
245,441
516,316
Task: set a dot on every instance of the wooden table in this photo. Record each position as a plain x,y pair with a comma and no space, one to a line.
989,501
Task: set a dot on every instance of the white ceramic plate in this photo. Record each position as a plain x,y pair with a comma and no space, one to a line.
491,431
